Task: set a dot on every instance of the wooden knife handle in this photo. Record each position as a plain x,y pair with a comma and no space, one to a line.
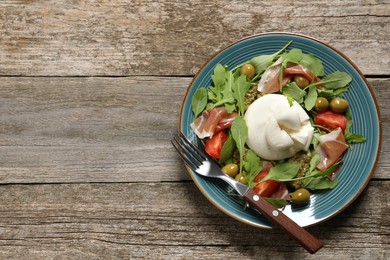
298,233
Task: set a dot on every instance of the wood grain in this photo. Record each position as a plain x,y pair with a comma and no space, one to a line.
89,38
90,92
104,129
171,220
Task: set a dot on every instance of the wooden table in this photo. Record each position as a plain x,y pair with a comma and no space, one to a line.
90,93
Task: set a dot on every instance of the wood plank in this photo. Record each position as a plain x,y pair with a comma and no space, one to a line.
105,129
170,220
88,38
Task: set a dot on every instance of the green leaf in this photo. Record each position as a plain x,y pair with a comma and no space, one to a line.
294,56
199,101
227,149
282,171
348,116
262,62
354,138
218,76
311,98
277,203
337,79
313,63
239,131
221,93
315,159
319,183
252,167
292,90
349,137
240,87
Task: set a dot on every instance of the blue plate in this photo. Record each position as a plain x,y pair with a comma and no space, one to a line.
359,163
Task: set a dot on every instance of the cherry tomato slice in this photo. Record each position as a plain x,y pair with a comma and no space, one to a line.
214,144
331,120
265,188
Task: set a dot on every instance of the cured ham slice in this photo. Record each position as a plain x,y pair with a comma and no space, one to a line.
282,192
332,147
212,121
271,81
226,122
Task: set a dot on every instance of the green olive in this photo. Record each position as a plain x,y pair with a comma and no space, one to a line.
230,169
339,105
248,70
301,81
321,105
301,196
240,178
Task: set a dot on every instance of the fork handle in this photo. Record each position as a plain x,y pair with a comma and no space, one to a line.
298,233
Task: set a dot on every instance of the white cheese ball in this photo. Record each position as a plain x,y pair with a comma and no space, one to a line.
277,130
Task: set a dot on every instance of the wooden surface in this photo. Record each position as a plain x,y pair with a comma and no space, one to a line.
90,93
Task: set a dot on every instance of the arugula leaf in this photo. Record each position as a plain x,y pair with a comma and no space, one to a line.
355,138
227,149
282,171
292,90
239,132
262,62
349,137
218,76
313,63
277,203
319,183
311,98
221,93
337,79
240,87
199,101
252,167
315,159
294,56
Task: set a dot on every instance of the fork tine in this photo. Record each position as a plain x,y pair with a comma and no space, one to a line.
195,151
184,154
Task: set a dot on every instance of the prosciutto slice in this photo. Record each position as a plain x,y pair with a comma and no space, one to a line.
212,121
271,84
282,192
332,147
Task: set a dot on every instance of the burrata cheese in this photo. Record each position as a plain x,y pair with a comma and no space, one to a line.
277,130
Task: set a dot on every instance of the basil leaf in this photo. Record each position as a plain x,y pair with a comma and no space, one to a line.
199,101
282,171
239,132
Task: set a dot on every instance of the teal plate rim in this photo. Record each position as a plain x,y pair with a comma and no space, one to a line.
359,162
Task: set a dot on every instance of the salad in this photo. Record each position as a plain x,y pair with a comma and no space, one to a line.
277,124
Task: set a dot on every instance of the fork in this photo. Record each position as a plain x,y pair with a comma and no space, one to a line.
202,164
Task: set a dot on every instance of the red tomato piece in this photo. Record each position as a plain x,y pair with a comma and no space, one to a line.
331,120
214,144
265,188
